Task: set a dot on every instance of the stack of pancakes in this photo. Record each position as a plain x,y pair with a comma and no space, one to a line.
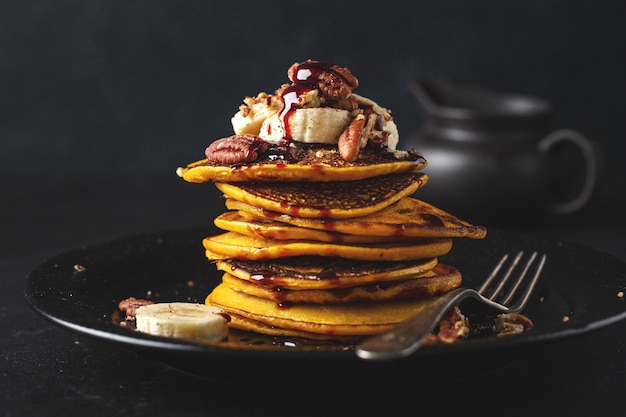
321,247
332,259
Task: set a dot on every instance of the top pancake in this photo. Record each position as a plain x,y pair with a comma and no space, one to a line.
317,163
335,200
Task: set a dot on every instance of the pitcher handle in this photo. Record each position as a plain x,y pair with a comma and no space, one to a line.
589,156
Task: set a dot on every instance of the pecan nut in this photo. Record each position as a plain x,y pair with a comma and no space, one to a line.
130,305
337,83
333,82
349,143
453,327
235,149
346,74
332,86
512,323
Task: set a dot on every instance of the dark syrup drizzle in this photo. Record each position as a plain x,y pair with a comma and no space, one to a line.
306,78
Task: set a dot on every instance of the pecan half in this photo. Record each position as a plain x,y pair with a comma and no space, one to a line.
333,86
349,143
512,323
333,82
346,74
453,327
235,149
130,305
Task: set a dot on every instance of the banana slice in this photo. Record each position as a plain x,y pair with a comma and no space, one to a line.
308,125
254,112
187,321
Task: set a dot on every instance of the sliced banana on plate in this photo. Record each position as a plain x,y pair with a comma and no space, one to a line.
191,322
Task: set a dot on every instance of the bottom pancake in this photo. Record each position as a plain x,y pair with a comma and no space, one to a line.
442,279
453,327
326,320
250,325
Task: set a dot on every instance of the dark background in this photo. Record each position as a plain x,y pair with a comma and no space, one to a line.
100,101
118,88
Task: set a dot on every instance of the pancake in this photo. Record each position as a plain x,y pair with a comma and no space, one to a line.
235,245
440,280
316,272
232,221
331,320
337,199
453,327
249,325
311,163
408,217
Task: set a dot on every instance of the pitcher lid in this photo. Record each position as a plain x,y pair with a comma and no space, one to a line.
455,99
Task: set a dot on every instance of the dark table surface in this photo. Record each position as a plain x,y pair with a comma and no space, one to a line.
47,370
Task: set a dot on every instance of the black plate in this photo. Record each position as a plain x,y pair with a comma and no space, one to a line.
79,290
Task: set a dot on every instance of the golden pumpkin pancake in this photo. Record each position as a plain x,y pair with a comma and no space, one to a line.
451,321
235,245
440,280
352,319
232,221
246,324
316,272
408,217
310,163
337,199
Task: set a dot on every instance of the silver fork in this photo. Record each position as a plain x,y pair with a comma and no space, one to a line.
406,337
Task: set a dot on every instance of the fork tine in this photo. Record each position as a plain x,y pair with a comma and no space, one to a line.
485,287
519,306
506,276
493,275
509,295
493,294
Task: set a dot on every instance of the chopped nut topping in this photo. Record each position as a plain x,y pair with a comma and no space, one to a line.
453,327
512,323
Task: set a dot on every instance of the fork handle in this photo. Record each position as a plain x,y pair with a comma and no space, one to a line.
407,336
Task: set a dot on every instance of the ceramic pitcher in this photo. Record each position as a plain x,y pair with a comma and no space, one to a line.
495,153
